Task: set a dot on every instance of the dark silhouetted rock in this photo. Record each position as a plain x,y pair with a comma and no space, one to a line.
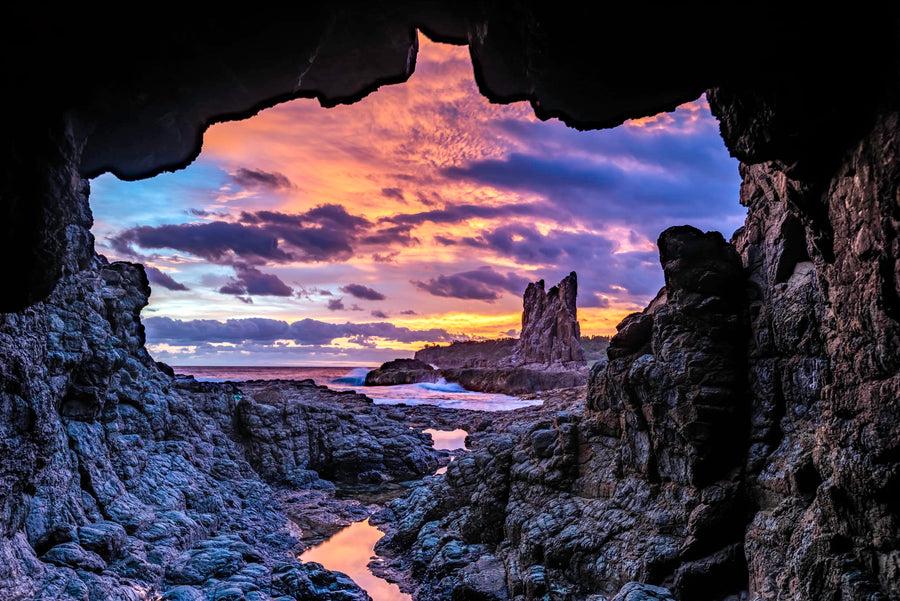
402,371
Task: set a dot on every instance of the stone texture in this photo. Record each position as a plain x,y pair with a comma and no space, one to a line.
121,482
644,483
550,332
292,428
402,371
741,442
635,591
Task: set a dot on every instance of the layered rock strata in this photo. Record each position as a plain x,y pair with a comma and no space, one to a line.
550,333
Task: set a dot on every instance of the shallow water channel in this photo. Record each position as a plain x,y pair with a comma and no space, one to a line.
350,550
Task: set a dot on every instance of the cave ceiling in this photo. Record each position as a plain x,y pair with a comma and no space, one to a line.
133,95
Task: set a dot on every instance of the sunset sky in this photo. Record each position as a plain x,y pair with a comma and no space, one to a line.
357,234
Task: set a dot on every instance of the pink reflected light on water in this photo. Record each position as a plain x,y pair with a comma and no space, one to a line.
350,551
445,440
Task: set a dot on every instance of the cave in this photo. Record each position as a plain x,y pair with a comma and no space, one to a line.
803,364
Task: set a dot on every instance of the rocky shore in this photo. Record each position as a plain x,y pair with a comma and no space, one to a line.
546,356
742,443
123,482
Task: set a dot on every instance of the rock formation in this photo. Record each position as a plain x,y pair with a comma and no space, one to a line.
402,371
115,480
644,484
742,440
550,333
547,354
121,482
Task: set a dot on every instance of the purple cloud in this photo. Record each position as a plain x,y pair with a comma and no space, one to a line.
305,332
395,193
363,292
480,284
250,281
213,241
257,178
325,233
163,279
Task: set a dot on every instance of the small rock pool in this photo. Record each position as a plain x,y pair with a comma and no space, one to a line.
350,551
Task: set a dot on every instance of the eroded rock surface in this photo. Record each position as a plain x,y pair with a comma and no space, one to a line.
550,331
120,482
741,442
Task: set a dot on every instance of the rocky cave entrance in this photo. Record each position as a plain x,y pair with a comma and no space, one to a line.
114,490
353,235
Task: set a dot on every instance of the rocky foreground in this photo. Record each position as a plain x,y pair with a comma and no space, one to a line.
123,482
741,442
691,460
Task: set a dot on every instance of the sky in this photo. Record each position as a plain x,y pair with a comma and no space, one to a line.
418,215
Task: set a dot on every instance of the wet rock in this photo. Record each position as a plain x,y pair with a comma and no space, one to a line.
402,371
72,555
105,538
292,428
635,591
484,580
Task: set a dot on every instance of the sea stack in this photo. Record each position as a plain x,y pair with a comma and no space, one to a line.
550,334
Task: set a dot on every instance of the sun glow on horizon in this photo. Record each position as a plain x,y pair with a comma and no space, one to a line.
415,216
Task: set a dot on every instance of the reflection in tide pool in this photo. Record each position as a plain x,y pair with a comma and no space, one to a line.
349,551
447,440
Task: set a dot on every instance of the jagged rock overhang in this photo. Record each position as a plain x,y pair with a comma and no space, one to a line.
91,92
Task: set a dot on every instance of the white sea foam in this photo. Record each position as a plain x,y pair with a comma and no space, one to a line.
442,394
442,385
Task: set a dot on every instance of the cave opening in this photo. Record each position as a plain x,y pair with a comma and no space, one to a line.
358,233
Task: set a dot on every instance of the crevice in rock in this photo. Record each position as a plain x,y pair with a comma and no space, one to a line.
794,249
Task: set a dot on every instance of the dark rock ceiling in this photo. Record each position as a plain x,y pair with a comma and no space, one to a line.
134,95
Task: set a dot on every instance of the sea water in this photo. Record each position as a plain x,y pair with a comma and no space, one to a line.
351,549
441,393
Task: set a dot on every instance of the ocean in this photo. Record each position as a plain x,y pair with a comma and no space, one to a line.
442,394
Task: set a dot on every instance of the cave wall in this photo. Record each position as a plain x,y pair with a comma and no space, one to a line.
807,102
135,96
